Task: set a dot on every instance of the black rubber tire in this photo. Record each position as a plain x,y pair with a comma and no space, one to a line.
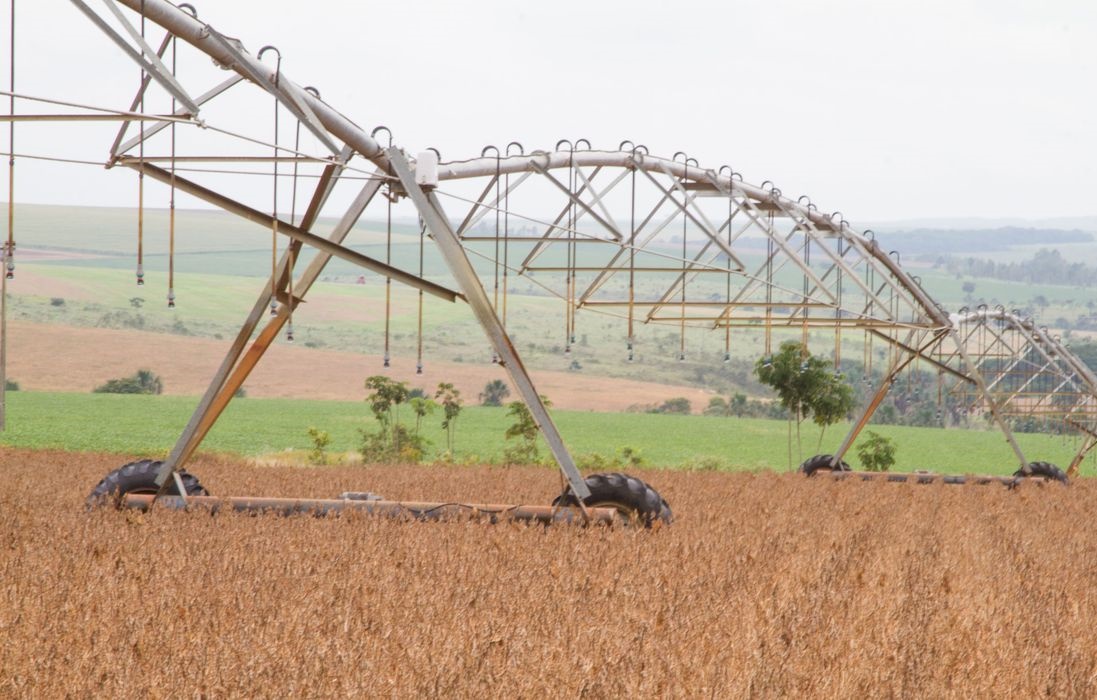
818,462
631,497
138,477
1044,469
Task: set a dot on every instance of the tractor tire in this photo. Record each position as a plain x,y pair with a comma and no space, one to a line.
818,462
138,477
1044,469
630,496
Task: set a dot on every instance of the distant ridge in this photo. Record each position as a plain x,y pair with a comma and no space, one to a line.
932,240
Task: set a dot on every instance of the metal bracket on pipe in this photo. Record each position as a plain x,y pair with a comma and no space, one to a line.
450,247
285,92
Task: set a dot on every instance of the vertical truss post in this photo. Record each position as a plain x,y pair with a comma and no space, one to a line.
450,247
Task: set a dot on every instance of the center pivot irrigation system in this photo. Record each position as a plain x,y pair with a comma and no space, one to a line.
646,239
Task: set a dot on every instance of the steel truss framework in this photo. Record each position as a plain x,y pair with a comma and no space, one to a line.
651,240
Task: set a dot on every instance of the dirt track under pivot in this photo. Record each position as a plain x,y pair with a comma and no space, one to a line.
45,357
767,585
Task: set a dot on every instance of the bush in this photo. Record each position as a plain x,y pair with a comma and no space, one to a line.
524,430
679,405
320,441
494,392
876,452
142,382
57,301
393,442
625,458
11,385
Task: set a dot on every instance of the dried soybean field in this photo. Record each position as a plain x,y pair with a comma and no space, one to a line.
767,584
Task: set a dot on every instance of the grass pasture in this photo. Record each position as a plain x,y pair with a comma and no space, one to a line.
149,425
766,585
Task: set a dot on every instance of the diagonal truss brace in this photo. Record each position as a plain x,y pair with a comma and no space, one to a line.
151,65
450,247
233,371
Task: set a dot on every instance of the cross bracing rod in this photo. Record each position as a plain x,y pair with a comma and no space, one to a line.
233,371
146,57
115,117
576,199
698,218
287,229
146,78
546,238
202,99
200,36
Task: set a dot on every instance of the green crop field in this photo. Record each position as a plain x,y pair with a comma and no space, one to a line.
148,425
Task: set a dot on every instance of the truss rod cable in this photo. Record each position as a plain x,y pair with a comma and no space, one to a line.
11,94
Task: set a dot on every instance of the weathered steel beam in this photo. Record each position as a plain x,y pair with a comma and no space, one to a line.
414,510
457,261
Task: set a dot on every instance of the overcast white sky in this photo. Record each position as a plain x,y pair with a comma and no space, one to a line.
884,110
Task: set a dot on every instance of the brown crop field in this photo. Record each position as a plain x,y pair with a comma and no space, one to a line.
767,585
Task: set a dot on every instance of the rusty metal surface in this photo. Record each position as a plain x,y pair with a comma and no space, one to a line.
400,509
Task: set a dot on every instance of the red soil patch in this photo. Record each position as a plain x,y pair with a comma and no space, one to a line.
45,357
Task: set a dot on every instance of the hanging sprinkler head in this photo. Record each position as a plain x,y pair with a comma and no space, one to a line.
681,357
387,363
767,361
273,307
289,332
804,366
567,350
10,274
419,368
140,275
727,357
171,298
494,358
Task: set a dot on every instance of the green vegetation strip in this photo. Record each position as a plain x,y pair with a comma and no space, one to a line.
149,425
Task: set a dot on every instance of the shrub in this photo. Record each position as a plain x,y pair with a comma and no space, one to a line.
450,399
141,382
393,442
524,429
57,301
11,385
494,392
320,441
625,458
679,405
876,452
